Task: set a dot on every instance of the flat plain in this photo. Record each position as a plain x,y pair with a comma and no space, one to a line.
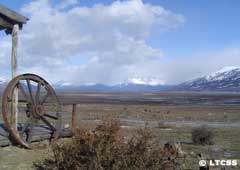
171,116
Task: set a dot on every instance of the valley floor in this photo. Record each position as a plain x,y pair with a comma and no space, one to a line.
167,122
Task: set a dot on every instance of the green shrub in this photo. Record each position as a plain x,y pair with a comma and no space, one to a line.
107,149
202,136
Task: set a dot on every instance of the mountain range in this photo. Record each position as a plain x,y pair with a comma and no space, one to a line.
226,79
134,84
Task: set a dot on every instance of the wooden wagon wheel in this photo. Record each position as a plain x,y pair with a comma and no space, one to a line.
38,111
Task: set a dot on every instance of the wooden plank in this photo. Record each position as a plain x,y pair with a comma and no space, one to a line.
4,24
39,134
3,136
15,17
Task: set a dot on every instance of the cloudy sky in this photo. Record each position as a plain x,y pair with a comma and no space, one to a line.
109,42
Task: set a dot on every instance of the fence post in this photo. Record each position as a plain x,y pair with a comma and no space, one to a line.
74,117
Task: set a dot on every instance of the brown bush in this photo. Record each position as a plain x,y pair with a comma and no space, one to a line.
107,149
202,136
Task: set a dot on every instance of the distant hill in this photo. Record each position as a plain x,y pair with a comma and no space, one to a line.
134,84
119,87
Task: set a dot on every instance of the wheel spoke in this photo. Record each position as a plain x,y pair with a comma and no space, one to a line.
38,93
50,116
23,92
47,123
45,98
30,89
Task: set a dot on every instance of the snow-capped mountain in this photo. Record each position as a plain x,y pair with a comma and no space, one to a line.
226,79
152,81
138,83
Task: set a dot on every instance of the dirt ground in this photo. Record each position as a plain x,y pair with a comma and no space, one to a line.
167,122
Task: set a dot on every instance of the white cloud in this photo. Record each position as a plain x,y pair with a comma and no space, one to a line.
5,55
98,44
181,69
67,42
66,3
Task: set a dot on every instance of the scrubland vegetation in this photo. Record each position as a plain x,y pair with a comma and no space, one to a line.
106,148
105,145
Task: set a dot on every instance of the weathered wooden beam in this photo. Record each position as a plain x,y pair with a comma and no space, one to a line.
14,50
14,69
15,17
5,24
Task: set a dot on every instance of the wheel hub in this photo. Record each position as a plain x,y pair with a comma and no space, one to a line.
36,110
39,110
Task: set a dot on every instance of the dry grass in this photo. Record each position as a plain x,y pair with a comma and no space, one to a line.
159,112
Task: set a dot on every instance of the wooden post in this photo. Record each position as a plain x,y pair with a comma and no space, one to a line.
74,117
14,69
14,50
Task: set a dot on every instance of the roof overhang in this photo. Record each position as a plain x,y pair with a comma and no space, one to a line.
8,18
